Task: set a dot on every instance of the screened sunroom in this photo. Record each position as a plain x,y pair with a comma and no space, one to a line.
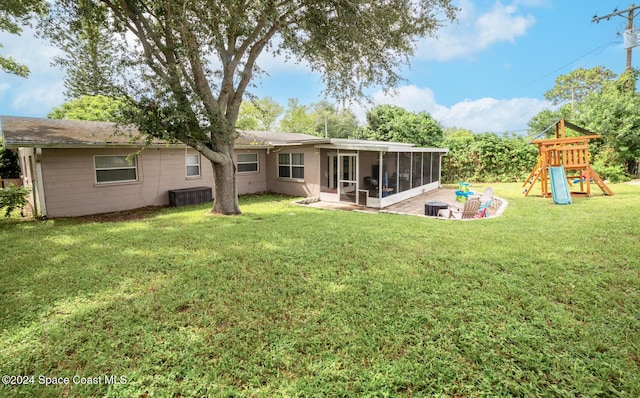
377,174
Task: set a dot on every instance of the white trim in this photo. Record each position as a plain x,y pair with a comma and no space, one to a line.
352,166
102,183
291,166
257,162
39,183
187,165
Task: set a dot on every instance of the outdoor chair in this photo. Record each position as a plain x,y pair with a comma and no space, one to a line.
486,201
469,210
487,197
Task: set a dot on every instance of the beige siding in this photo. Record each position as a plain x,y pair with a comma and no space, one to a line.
309,186
252,182
71,189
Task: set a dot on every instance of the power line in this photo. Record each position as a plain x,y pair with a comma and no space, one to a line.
600,48
615,12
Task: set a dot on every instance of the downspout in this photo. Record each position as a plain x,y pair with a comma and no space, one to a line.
39,185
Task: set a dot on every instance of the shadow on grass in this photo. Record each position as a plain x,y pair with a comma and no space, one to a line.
286,300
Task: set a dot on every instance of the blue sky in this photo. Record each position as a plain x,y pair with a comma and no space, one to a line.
488,71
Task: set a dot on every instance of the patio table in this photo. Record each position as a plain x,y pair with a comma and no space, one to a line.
432,208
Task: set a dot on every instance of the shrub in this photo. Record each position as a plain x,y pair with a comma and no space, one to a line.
9,167
12,198
607,164
487,157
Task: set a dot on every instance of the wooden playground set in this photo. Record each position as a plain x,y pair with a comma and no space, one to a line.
558,159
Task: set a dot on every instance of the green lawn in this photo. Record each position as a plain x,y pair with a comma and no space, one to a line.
292,301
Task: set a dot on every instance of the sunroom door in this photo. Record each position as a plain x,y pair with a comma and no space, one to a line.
348,177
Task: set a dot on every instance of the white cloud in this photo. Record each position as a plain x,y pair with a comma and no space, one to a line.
410,97
27,49
43,89
492,115
472,33
480,115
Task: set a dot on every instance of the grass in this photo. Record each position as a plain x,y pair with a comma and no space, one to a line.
292,301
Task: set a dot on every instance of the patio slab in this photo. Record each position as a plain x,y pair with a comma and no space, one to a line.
414,206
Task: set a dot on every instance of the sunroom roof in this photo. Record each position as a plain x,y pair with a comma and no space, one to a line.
376,146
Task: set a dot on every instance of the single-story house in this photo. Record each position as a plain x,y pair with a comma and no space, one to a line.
78,168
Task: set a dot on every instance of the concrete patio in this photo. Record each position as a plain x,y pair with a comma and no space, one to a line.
414,206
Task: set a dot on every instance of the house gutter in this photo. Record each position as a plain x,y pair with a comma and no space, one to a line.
39,185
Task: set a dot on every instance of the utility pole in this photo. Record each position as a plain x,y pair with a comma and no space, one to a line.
615,12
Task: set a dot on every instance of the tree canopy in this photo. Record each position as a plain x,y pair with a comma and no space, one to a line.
321,118
89,58
193,60
577,84
393,123
14,14
97,108
259,114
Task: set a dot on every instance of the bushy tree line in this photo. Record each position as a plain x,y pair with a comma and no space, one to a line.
487,157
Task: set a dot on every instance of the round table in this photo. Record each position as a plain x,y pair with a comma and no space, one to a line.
432,208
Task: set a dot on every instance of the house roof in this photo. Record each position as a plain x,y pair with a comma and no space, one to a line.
56,133
36,132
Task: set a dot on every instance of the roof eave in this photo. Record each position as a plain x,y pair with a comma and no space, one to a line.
86,145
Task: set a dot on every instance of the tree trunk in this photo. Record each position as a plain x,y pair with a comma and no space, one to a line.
225,189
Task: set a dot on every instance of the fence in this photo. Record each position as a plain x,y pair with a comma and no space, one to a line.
5,182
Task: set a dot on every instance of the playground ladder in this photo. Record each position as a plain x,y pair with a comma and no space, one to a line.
599,182
533,177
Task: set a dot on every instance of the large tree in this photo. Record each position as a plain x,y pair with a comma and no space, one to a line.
96,107
333,121
14,14
570,90
197,58
394,123
577,84
297,118
613,113
259,114
89,57
321,118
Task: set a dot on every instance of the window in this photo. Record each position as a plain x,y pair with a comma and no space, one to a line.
247,162
193,165
118,168
291,165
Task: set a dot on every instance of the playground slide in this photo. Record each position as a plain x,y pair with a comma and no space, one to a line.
559,186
